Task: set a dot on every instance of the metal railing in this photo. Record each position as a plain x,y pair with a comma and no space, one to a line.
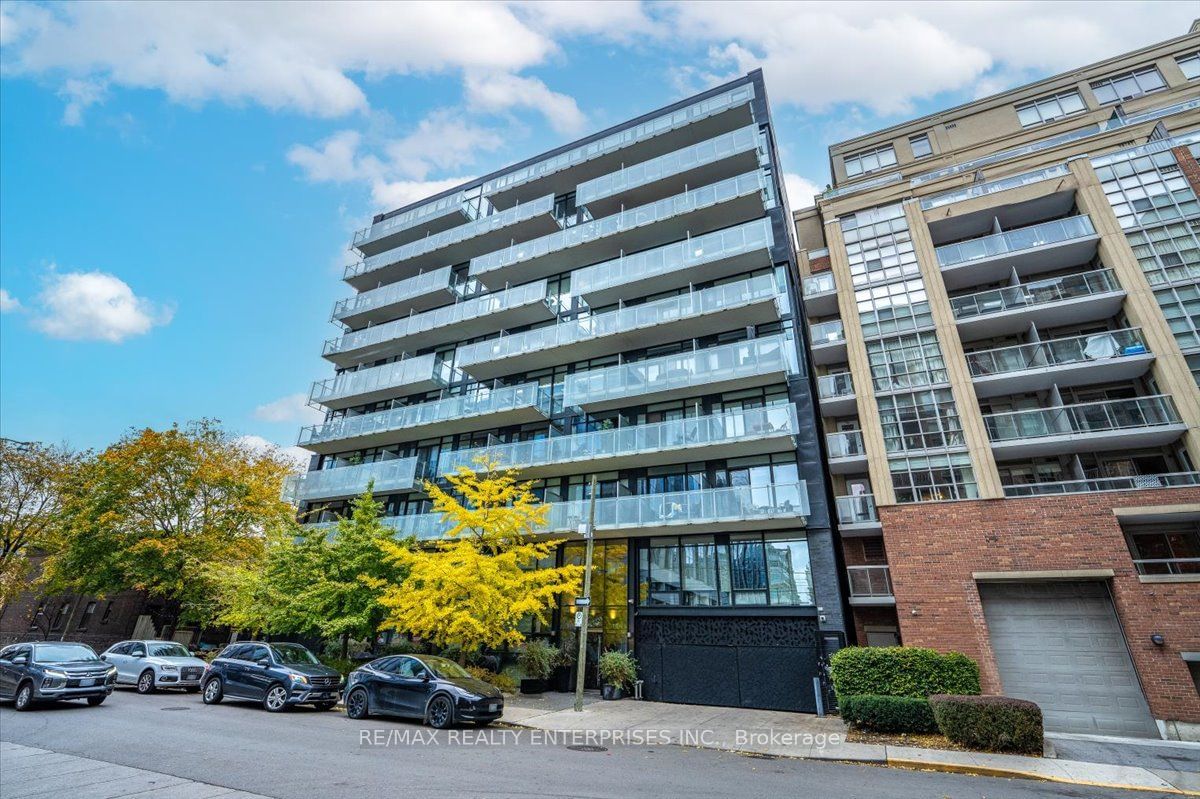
845,444
832,332
1084,417
1094,347
836,385
856,509
994,186
1053,232
410,218
390,375
1035,293
1167,565
407,289
863,185
820,283
400,474
869,581
1129,483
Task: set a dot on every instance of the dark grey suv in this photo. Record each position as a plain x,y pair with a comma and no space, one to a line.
276,674
51,671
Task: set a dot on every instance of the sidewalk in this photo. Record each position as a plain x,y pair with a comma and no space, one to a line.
784,734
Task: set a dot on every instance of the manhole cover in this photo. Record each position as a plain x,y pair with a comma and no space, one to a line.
175,708
587,748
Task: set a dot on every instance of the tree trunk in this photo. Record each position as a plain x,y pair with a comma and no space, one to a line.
345,646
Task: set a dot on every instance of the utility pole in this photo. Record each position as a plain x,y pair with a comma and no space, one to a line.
581,630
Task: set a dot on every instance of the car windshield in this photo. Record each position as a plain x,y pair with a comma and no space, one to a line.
293,653
62,653
446,669
168,651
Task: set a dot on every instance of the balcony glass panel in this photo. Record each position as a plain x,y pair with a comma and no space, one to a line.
834,386
870,581
411,218
409,288
820,283
846,444
828,333
1088,417
856,509
401,474
1057,352
390,375
1128,483
994,186
1026,238
1040,292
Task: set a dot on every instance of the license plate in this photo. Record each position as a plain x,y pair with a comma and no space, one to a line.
492,708
86,683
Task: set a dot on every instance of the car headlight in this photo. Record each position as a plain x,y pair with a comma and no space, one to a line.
470,697
112,671
299,678
54,679
169,667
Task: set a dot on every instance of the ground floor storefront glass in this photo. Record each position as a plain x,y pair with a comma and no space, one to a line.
739,569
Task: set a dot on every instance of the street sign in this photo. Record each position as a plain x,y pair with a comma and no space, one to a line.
578,619
582,601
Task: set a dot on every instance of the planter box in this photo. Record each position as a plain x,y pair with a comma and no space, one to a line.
561,681
612,692
529,686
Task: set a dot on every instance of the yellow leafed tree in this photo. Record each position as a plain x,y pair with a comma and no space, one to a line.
472,588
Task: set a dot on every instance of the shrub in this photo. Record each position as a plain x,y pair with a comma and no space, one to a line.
537,660
344,666
888,713
400,646
901,671
501,681
567,652
993,723
618,668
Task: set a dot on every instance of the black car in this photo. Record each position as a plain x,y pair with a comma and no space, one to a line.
278,675
420,686
53,670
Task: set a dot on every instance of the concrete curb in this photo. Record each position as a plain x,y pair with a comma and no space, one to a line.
992,771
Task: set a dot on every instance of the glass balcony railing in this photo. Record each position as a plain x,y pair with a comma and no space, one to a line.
1056,231
1057,352
1167,565
401,474
870,581
832,332
624,320
706,152
857,509
422,368
484,224
392,293
820,283
1036,293
1129,483
474,308
835,386
1082,418
873,183
724,363
686,202
994,186
679,256
694,433
480,403
411,218
845,444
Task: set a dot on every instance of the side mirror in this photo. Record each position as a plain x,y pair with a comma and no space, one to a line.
264,663
20,660
426,677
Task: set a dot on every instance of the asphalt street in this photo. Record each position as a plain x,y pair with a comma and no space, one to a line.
306,753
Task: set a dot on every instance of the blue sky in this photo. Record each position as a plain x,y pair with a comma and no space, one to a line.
178,182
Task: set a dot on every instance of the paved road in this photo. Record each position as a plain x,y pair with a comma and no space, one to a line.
306,754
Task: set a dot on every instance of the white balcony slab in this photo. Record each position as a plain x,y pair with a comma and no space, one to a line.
1028,251
409,376
1117,368
415,294
401,474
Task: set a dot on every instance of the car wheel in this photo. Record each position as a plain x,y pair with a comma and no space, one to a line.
96,701
276,698
441,712
24,697
145,683
214,692
325,705
356,704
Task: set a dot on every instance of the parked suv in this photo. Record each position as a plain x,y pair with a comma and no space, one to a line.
278,675
50,671
150,665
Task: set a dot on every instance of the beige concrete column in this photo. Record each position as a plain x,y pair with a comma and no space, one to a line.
1170,369
974,433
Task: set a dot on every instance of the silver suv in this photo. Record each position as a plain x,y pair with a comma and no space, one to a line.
150,665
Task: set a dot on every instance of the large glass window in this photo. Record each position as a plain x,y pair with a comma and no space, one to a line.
870,160
609,609
920,420
743,569
1128,85
1148,189
1047,109
893,307
920,145
905,362
879,245
1189,65
1169,253
1165,548
1181,307
933,478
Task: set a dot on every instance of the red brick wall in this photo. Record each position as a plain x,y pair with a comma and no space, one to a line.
933,549
821,264
1191,169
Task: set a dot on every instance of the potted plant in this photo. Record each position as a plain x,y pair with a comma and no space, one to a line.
564,664
537,664
618,670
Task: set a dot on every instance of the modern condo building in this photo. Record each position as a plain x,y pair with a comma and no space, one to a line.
1004,309
626,306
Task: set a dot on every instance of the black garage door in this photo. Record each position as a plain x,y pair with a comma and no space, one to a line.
737,661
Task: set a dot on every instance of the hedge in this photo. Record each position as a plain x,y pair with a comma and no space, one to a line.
993,723
901,671
888,713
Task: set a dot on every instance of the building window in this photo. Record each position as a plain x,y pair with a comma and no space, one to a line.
933,478
870,160
609,609
60,618
1189,65
107,613
33,620
893,307
1181,307
89,610
1165,548
1048,109
920,145
879,245
1128,85
920,420
905,362
1170,253
1148,189
740,569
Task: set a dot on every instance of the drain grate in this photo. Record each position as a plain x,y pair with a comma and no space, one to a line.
174,708
587,748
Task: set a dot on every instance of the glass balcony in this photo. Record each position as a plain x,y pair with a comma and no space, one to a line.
1129,483
1070,299
706,257
732,434
418,293
528,402
828,342
745,302
521,305
870,585
857,510
862,185
1029,250
820,283
847,453
728,367
994,186
401,474
836,393
1139,422
820,294
407,376
449,210
1111,356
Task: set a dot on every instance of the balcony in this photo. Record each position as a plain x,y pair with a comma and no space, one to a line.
994,186
710,256
698,164
697,210
857,515
828,342
1029,251
343,482
870,585
734,434
1137,482
820,294
728,367
847,453
836,394
424,220
455,245
1054,302
522,305
725,307
408,376
1084,427
498,407
419,293
1108,357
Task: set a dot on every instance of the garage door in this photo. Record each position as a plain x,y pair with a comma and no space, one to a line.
1060,645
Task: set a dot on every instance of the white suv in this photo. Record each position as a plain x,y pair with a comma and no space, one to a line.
155,664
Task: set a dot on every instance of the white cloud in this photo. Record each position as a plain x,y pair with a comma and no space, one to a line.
259,445
80,94
292,408
388,195
498,92
95,306
442,140
800,190
621,21
8,302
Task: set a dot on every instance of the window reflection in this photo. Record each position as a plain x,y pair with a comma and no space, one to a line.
738,570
